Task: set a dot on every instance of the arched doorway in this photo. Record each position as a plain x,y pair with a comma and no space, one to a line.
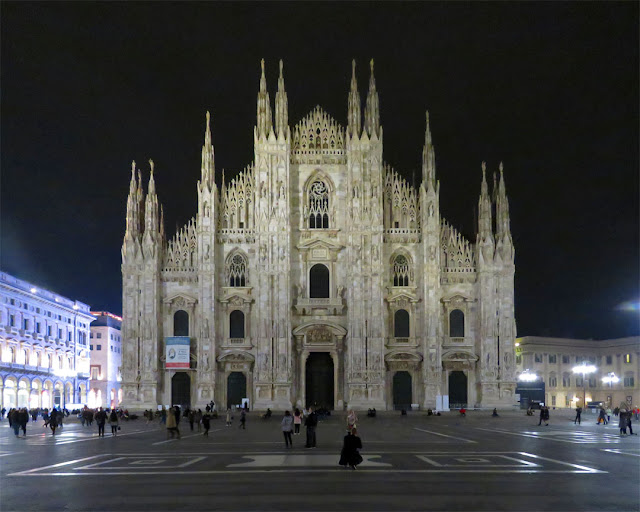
181,390
457,389
402,396
236,388
319,380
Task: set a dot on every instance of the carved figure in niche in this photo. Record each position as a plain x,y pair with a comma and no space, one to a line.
147,360
301,290
431,210
206,252
508,359
263,190
282,254
282,193
340,291
206,209
263,253
375,253
205,362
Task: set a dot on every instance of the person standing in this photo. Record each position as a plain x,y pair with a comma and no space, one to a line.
191,417
541,415
311,423
608,414
228,416
243,419
350,456
602,416
101,419
352,418
53,420
622,422
578,418
113,421
297,421
13,421
287,429
629,417
546,416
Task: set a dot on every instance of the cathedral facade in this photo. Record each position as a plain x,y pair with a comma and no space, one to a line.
318,276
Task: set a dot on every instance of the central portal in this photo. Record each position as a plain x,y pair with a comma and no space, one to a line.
319,380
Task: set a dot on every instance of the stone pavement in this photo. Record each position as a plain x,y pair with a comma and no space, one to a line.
412,462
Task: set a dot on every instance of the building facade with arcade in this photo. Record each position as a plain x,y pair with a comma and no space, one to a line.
44,342
318,275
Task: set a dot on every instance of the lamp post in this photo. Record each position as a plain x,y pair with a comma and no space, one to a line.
611,378
584,369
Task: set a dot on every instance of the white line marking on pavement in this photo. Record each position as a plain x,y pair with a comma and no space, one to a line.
581,468
301,460
620,452
29,471
444,435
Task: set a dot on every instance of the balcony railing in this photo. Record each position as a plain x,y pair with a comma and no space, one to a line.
319,306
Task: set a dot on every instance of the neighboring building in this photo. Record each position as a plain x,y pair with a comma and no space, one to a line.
318,275
106,360
553,360
44,340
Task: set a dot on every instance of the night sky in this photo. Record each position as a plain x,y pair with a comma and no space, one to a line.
549,88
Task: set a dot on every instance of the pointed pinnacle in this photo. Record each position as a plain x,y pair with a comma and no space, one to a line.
151,165
501,167
427,131
281,65
371,64
484,168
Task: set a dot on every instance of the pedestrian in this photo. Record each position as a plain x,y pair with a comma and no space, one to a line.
578,417
602,416
311,423
13,421
494,414
113,421
198,419
23,419
3,411
53,420
229,416
243,419
163,416
206,421
608,414
297,421
629,416
349,455
191,416
622,422
101,419
541,415
287,429
172,424
546,416
352,418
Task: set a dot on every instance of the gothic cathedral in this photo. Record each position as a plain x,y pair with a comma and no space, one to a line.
318,276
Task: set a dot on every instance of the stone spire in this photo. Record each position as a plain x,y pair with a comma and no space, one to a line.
484,207
208,167
372,110
353,115
282,106
162,233
428,158
503,230
264,125
133,214
151,206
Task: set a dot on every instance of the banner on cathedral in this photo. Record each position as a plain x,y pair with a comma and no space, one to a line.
177,351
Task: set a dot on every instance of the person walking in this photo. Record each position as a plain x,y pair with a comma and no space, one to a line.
13,421
101,419
602,416
608,414
163,416
23,419
629,417
311,423
287,429
191,417
352,418
53,420
198,419
243,419
541,415
546,416
206,421
578,418
622,422
349,455
113,421
297,421
228,416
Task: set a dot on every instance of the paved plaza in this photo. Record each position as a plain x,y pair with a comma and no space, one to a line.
413,462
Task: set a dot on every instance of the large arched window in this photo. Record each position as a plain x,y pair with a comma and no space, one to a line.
319,282
237,270
401,271
318,205
401,324
181,323
456,324
236,324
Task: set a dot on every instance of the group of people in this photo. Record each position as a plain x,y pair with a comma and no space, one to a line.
195,418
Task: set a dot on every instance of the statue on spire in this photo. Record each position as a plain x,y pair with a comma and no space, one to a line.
354,115
372,109
264,121
282,106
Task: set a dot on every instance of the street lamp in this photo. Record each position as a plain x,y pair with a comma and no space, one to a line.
611,378
584,369
527,376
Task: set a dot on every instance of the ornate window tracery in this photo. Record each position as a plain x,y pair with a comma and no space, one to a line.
318,205
401,271
237,271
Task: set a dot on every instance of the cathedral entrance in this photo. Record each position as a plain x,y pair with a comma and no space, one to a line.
181,390
236,388
319,380
402,397
457,389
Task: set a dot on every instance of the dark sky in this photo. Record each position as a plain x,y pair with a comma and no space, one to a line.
549,88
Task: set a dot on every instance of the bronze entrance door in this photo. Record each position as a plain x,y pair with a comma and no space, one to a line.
181,390
319,380
457,389
402,391
236,388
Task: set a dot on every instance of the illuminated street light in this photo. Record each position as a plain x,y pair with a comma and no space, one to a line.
584,369
611,379
527,376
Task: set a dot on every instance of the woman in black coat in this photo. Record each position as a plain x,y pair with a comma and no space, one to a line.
349,456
